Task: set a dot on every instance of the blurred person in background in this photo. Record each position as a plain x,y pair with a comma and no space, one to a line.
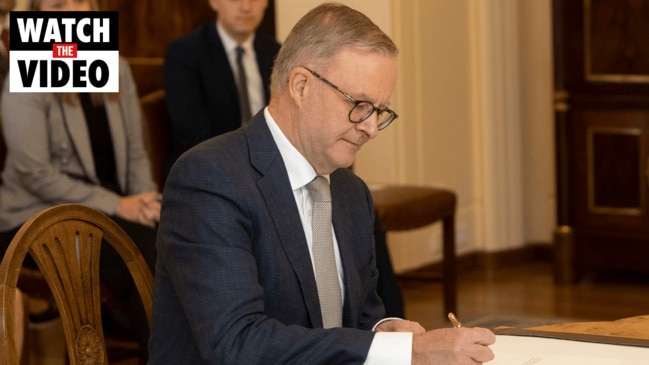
84,148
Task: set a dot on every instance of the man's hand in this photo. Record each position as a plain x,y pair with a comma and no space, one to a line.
452,346
143,208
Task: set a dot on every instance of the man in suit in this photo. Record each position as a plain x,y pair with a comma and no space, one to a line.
201,75
238,275
203,97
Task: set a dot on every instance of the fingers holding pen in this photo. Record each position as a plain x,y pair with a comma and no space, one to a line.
477,340
482,338
460,345
457,345
451,346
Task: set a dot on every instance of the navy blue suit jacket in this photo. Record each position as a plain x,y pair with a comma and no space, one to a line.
200,89
234,279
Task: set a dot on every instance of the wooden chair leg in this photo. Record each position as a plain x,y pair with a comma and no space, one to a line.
450,273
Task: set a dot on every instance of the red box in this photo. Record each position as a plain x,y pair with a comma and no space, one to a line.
64,50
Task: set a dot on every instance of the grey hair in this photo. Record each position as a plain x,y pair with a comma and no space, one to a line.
321,33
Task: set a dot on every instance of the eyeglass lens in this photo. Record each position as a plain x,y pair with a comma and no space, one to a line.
364,109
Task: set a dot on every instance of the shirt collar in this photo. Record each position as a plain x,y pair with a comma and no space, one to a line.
300,171
229,44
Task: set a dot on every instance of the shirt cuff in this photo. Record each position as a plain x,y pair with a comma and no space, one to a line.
390,348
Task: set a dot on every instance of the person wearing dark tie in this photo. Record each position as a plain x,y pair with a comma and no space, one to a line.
218,75
265,242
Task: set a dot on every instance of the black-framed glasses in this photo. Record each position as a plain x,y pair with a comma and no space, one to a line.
362,109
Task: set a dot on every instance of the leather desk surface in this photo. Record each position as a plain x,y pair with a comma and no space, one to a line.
632,327
632,331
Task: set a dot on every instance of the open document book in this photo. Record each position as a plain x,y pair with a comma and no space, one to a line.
526,347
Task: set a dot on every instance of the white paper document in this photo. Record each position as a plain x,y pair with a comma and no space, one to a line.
527,350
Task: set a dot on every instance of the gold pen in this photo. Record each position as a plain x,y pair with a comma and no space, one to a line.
454,320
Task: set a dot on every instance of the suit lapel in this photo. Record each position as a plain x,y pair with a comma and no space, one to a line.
275,188
220,60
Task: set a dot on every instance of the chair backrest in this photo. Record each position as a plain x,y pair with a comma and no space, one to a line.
156,130
65,242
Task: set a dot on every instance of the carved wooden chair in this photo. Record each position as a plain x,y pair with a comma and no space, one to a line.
65,243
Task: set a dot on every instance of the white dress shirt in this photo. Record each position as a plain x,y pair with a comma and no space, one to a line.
388,348
249,60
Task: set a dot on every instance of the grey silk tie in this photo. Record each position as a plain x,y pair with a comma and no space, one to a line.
244,101
324,258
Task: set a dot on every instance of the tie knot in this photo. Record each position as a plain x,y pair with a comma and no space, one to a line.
319,189
240,51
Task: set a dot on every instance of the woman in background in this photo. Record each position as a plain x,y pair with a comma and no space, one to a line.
88,149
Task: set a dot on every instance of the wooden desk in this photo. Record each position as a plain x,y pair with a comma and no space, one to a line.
633,327
627,331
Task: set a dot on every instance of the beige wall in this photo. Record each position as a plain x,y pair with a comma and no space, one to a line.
474,99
